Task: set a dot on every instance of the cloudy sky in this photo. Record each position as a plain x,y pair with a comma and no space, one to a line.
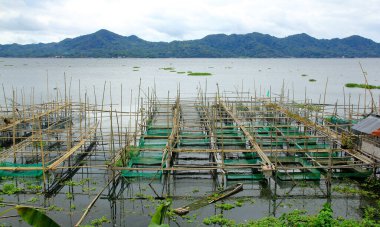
32,21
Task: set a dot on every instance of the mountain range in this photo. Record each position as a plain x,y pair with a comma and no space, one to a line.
104,43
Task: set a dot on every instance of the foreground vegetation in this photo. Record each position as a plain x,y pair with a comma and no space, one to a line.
297,218
368,189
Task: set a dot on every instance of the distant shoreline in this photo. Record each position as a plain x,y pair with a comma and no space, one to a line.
106,44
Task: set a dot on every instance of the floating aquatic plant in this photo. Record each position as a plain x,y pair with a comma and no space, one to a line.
100,221
199,74
10,189
168,68
225,206
365,86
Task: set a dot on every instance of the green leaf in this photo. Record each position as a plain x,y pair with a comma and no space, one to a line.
159,215
35,218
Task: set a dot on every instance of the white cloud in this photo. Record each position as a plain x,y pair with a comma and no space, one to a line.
52,20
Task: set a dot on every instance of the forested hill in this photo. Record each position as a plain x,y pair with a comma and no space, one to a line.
104,43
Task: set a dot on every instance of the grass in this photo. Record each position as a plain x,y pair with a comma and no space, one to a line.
303,75
199,74
312,80
365,86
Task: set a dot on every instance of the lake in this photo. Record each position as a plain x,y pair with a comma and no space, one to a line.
261,75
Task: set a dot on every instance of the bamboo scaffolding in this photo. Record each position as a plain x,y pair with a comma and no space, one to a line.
84,139
267,164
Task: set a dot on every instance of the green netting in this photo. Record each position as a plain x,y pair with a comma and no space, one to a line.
298,176
316,146
152,143
228,142
289,129
192,134
249,155
159,132
229,131
249,159
309,174
195,142
237,176
270,143
322,154
309,141
145,161
241,161
351,173
267,134
290,133
142,174
20,173
263,130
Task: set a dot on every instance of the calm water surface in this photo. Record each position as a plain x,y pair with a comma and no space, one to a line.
230,74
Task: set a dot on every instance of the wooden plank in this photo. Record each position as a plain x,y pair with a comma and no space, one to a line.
252,150
167,151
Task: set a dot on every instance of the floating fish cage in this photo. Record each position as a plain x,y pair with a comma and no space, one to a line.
228,138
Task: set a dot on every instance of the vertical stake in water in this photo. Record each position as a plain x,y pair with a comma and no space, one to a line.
137,112
14,127
5,99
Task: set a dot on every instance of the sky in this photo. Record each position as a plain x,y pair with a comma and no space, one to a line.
34,21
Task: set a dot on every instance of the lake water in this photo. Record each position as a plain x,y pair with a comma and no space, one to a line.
118,202
230,74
